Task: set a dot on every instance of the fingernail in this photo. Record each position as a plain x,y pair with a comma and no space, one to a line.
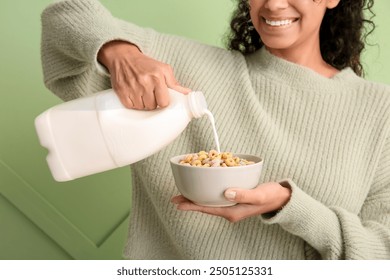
231,195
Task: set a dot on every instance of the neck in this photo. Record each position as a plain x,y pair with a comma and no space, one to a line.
308,57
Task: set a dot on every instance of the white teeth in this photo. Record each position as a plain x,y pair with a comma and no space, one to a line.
278,22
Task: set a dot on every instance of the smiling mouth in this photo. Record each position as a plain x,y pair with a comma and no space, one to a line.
276,23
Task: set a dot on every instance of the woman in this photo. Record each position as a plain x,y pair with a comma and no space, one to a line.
294,97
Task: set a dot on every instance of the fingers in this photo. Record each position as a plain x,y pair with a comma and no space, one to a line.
265,198
243,196
259,195
179,199
172,83
232,213
140,82
132,93
161,94
149,102
269,196
144,86
137,101
186,205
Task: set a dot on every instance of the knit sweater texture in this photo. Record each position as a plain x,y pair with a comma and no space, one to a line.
325,138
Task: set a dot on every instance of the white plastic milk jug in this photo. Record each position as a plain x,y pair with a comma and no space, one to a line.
97,133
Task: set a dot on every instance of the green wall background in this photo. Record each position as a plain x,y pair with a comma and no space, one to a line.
87,218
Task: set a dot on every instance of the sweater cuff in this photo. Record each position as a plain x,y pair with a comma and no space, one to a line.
101,69
309,219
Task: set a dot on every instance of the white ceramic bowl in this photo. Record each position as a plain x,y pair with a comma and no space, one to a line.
206,185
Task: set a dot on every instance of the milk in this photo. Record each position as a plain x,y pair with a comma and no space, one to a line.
212,122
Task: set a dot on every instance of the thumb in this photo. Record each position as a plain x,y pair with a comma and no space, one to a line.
181,89
240,195
174,84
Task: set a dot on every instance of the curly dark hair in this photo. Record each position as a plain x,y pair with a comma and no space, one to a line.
343,33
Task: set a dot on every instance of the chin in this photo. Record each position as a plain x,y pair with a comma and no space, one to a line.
277,44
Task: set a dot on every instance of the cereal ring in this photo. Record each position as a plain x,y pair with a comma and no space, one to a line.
196,163
202,157
227,155
230,162
213,153
188,158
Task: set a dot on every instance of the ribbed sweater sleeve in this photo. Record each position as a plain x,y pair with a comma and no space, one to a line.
73,31
335,232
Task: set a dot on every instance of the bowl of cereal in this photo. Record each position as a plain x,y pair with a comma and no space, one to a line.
203,177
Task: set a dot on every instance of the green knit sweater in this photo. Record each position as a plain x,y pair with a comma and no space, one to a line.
328,138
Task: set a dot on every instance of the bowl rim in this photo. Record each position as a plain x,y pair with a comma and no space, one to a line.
173,160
